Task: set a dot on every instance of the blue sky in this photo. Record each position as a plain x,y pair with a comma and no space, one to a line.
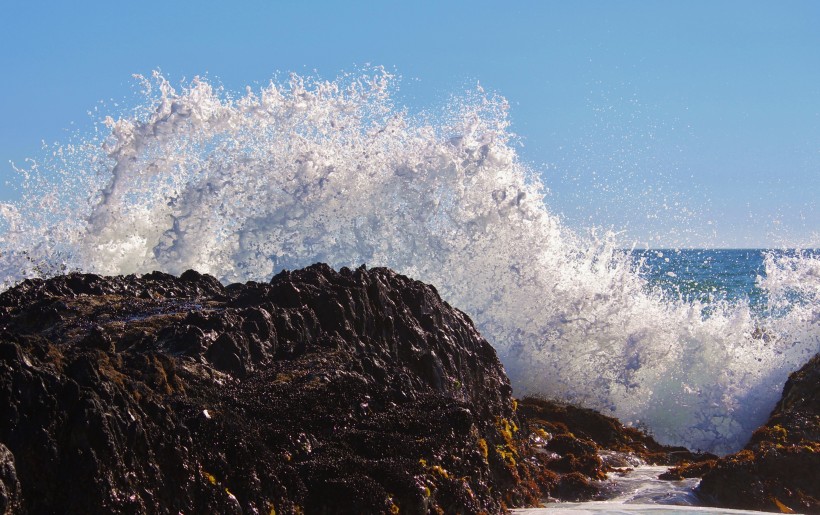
689,122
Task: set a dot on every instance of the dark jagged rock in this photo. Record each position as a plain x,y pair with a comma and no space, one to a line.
323,392
779,469
9,484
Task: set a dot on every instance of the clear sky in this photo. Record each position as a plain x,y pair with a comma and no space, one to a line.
677,122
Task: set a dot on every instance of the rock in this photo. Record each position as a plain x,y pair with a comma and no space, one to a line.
9,484
322,391
688,470
575,487
779,469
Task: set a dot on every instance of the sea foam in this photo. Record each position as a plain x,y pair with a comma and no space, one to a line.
244,185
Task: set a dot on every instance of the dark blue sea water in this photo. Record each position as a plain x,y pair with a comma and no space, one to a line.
710,275
705,274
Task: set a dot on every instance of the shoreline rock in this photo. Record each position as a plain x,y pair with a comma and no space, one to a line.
322,391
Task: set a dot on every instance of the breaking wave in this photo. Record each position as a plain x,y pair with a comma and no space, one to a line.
243,185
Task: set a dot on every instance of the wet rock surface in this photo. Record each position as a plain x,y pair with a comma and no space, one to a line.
779,469
323,391
9,484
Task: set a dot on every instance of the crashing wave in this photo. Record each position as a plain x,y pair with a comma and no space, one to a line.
242,186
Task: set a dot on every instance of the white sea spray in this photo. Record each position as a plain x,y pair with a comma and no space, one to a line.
290,174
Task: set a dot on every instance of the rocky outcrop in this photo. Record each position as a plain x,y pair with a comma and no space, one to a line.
779,469
322,392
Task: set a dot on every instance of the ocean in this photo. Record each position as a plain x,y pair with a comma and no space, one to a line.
712,276
692,345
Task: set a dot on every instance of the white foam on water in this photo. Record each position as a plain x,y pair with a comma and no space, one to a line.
243,185
614,508
638,491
